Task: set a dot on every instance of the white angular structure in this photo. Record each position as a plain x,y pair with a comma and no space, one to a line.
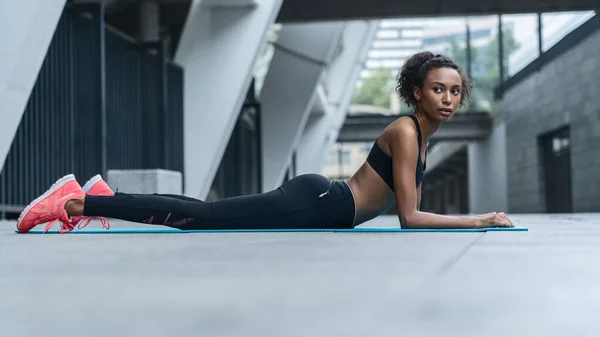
218,49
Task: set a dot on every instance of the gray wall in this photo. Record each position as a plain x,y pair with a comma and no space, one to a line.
566,91
217,79
302,53
487,172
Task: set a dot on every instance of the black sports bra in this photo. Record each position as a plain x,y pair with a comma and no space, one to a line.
382,163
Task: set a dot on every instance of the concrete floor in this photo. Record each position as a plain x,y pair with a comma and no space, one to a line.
544,282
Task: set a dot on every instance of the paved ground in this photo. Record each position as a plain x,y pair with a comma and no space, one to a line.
544,282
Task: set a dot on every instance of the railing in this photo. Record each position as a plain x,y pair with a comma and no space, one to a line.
101,101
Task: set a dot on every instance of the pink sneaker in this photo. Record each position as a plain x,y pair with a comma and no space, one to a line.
50,206
96,186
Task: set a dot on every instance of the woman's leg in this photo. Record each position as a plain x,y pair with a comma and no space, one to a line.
307,201
177,196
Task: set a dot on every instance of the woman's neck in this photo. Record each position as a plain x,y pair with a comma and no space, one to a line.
428,125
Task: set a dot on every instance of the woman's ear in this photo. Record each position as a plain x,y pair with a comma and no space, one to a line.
417,93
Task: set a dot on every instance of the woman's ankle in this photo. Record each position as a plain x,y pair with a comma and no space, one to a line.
74,207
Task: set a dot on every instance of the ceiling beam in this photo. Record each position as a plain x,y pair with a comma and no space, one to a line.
327,10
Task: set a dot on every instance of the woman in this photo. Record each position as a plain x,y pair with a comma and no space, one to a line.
433,84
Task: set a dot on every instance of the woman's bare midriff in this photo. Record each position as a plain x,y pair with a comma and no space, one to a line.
372,195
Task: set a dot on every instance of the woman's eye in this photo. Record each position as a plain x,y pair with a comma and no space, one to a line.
454,91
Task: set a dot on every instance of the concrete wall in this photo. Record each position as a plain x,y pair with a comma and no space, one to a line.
438,153
145,181
218,49
487,172
302,53
334,94
26,30
565,92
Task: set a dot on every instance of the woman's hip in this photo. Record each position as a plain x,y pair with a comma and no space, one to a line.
320,199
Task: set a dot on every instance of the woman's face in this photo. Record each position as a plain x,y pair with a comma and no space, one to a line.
440,95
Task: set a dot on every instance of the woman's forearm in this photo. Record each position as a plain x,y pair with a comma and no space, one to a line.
436,221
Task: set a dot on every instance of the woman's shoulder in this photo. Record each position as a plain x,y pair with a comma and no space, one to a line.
401,129
399,133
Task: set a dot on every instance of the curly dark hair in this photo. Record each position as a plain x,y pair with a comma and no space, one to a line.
415,70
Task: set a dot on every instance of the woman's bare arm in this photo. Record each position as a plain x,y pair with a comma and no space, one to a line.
404,148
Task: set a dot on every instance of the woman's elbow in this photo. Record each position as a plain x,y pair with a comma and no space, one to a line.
407,221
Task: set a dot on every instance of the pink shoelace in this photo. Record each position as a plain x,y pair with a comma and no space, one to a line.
67,227
63,228
86,221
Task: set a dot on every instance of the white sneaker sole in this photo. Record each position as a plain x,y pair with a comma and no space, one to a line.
93,180
58,184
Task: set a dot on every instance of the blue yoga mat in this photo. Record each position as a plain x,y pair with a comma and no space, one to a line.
353,230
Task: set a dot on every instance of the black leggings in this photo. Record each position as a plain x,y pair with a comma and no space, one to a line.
306,201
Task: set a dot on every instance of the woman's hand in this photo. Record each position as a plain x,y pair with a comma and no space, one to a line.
493,220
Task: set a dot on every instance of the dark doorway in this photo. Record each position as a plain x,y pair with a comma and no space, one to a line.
556,161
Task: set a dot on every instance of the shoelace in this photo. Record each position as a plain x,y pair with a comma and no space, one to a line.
67,227
86,221
64,228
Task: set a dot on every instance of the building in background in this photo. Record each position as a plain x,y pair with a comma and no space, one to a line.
496,174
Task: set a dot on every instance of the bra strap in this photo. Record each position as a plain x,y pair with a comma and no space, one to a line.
418,131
